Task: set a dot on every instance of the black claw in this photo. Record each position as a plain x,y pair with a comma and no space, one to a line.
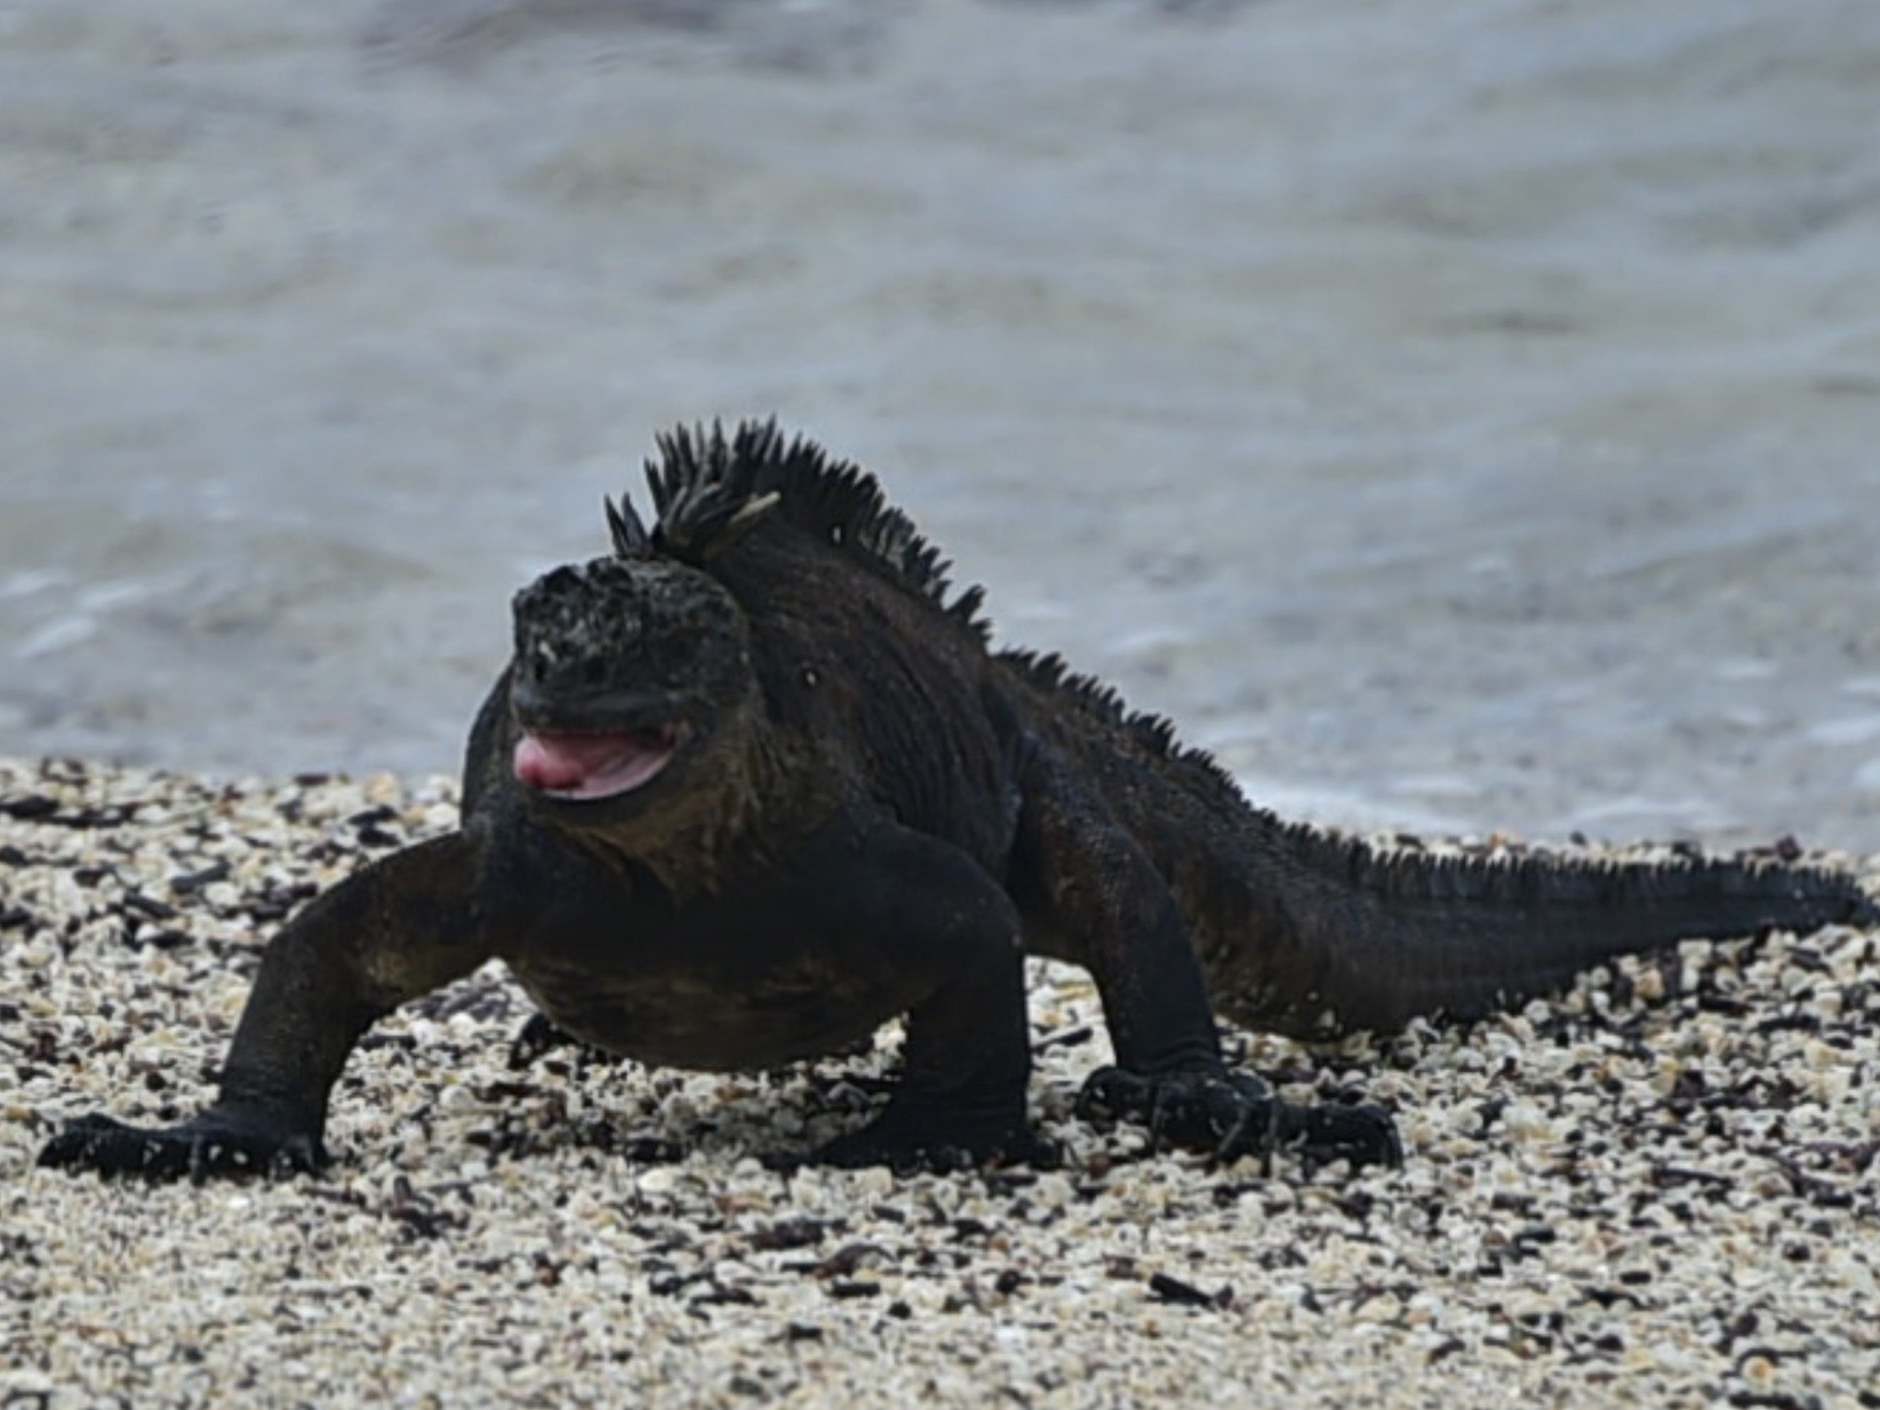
1233,1114
1255,1130
217,1143
1364,1135
1115,1094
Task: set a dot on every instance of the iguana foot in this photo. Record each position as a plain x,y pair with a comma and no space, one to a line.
215,1143
909,1142
1231,1114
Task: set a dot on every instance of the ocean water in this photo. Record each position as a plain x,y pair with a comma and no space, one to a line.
1457,415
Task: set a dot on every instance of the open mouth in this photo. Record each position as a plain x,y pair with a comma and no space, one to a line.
590,764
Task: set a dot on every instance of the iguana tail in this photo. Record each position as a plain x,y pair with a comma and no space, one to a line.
1333,936
1302,932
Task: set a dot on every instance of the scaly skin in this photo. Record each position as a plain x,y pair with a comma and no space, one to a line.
753,785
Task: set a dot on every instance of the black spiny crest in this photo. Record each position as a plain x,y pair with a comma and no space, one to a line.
710,490
629,532
1543,878
1154,733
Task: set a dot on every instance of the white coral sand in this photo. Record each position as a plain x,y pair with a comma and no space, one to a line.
1661,1189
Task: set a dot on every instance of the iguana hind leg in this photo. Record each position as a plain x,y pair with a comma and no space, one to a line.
1088,882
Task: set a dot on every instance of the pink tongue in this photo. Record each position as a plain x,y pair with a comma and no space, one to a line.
565,761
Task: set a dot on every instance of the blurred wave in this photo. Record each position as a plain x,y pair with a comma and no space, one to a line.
1455,415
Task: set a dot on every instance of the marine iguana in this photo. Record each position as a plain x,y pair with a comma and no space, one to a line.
755,782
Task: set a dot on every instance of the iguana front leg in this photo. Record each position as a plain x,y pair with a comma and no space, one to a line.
397,929
930,922
1089,882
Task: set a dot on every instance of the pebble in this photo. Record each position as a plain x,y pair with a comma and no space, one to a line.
1619,1197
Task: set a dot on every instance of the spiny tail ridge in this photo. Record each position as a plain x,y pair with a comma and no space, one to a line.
1357,938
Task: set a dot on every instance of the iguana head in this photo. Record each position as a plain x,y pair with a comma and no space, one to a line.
637,708
632,675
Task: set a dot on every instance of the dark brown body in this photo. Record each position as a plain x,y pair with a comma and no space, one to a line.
768,976
876,816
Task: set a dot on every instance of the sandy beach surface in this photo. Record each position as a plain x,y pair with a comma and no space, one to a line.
1660,1190
1457,415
